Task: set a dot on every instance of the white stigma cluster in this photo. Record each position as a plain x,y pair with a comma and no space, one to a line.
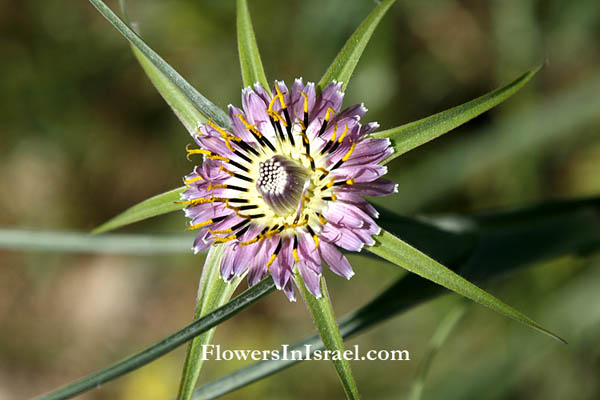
273,177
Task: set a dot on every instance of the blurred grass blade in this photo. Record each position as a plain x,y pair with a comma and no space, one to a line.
398,252
438,339
250,63
213,292
205,106
343,65
157,205
322,313
183,108
79,242
407,137
137,360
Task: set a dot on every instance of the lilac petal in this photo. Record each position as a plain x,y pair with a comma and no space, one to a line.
348,215
368,128
311,278
242,257
258,264
289,290
281,269
357,201
360,174
308,253
201,241
227,261
370,151
342,237
330,97
256,112
340,214
380,187
336,260
262,92
238,126
296,105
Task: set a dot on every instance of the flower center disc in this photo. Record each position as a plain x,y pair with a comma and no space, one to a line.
281,183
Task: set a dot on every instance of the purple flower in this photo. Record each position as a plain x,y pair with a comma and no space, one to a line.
284,188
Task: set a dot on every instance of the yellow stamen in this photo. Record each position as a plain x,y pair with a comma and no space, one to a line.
220,231
349,153
322,220
333,197
324,171
225,239
330,184
283,106
334,133
228,172
273,256
316,239
295,254
190,181
200,225
248,125
343,134
277,117
330,111
219,186
350,182
305,101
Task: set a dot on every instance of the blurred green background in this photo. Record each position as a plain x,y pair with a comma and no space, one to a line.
84,135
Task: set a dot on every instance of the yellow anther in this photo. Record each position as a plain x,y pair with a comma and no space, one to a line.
228,172
333,135
304,137
324,171
283,106
248,125
249,242
200,225
218,128
333,197
277,117
220,231
343,134
349,153
321,219
316,239
309,157
295,254
350,182
225,239
305,101
219,186
330,111
271,260
330,184
190,181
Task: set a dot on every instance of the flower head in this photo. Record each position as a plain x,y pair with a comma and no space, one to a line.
284,187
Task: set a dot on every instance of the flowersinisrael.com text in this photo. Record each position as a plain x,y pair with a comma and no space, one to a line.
214,352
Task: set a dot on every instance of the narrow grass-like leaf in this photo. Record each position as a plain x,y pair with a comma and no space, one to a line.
438,339
160,204
205,106
250,62
151,353
343,65
213,292
78,242
322,313
559,229
398,252
406,137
